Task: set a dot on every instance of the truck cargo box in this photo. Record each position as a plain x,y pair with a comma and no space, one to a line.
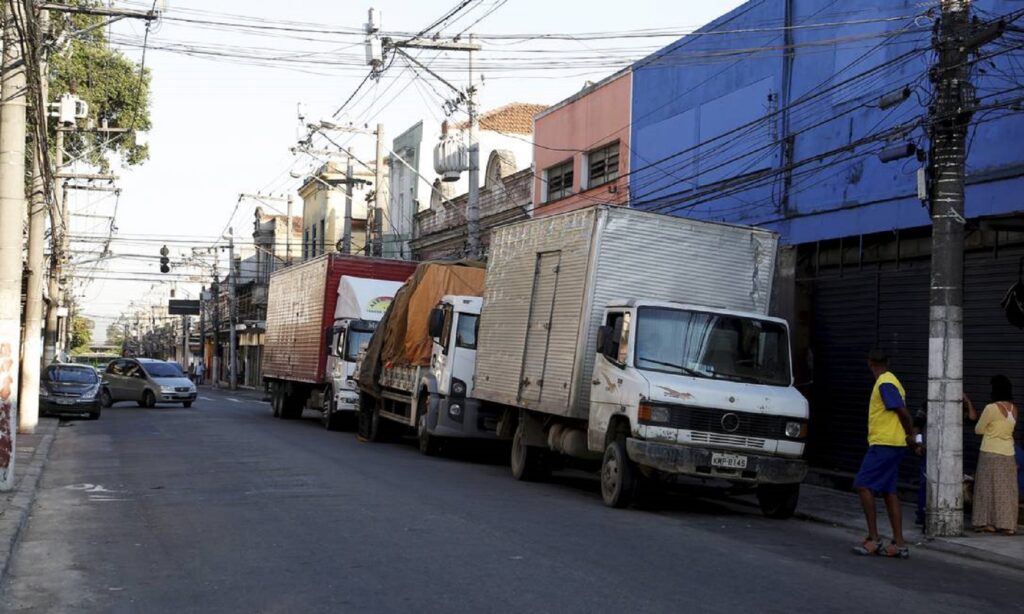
301,306
549,280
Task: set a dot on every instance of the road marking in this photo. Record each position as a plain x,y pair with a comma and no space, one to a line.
233,400
205,398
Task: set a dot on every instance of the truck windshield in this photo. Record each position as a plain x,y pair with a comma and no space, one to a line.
354,340
711,345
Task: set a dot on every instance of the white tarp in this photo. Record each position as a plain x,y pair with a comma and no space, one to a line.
364,299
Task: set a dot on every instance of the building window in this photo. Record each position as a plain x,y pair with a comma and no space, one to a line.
559,181
305,244
323,236
602,165
313,243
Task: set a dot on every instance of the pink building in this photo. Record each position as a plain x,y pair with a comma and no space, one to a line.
581,148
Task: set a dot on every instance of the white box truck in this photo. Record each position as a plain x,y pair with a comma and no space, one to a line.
642,341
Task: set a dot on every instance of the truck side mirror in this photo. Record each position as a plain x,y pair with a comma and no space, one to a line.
435,326
329,339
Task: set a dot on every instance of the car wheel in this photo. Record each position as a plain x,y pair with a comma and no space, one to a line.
105,399
148,399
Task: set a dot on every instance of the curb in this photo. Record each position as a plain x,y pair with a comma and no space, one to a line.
929,543
16,513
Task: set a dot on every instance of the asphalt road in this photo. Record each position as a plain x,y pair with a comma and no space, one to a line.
222,508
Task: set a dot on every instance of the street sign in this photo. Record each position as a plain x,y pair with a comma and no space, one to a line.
182,307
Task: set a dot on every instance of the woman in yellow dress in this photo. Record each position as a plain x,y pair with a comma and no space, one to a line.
995,482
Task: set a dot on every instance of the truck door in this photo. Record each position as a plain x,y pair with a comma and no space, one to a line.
538,330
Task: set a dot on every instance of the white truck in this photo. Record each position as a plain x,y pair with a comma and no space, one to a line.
641,341
424,382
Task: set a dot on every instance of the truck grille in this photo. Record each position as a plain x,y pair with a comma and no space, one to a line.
716,439
710,421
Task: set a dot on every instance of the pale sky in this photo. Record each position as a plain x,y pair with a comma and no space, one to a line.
221,127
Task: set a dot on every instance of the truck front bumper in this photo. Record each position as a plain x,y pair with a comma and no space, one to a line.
686,460
464,417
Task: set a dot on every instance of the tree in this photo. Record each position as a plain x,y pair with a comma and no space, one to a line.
115,88
81,334
115,334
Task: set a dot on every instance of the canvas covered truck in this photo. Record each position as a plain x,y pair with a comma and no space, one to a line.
641,342
417,373
319,314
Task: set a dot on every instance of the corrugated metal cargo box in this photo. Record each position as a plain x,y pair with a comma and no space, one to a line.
300,309
549,280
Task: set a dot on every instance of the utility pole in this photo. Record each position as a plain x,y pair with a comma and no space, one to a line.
378,196
31,359
346,237
12,218
233,313
288,235
473,249
53,280
955,40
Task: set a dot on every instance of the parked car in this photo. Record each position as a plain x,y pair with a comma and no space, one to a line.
70,389
147,382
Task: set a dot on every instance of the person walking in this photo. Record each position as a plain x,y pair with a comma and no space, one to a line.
890,433
995,482
200,370
192,372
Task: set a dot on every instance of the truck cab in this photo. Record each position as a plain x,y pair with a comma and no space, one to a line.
448,407
345,340
681,390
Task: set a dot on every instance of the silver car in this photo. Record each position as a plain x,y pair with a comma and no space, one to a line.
147,382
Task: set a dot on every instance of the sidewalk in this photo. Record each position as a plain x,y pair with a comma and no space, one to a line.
31,453
842,509
242,393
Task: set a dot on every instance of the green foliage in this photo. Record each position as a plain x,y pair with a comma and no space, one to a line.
112,86
81,334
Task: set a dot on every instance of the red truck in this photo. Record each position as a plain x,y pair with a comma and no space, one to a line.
313,339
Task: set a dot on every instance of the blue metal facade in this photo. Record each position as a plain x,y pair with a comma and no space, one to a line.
719,116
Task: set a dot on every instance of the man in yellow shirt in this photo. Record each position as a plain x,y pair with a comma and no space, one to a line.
890,432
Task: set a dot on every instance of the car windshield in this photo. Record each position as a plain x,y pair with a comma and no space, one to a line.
163,369
711,345
355,340
71,375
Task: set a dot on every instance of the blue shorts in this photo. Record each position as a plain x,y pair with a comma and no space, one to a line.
880,469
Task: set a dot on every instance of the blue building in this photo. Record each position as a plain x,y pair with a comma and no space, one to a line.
771,116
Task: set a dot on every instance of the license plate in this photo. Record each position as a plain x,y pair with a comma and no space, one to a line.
65,402
728,461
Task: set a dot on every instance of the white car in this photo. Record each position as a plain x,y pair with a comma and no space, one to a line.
147,382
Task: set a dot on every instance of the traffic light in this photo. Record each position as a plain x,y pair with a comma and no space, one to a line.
164,260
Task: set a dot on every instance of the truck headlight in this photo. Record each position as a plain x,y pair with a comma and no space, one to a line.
796,430
458,388
654,414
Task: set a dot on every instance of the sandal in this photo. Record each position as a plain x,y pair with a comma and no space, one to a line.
868,548
892,551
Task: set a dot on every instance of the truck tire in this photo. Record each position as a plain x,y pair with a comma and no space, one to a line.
529,463
276,399
328,417
429,444
778,501
368,427
618,475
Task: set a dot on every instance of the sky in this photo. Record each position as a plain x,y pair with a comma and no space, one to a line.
224,116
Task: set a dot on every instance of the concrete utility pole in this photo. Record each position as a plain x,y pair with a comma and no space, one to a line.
233,313
955,39
53,280
28,415
473,248
288,235
346,237
12,218
378,196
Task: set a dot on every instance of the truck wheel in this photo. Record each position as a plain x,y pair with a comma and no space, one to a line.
618,475
328,417
778,500
368,425
529,463
429,445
